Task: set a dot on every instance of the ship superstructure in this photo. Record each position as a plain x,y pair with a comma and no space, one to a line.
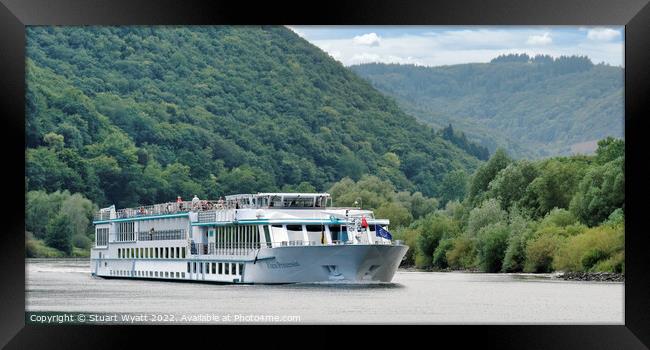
246,238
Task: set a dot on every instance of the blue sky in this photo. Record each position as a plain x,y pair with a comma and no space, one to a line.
445,45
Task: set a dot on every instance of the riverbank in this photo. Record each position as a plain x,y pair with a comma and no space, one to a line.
567,276
593,276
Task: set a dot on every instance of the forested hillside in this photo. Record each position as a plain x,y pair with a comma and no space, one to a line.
128,115
532,106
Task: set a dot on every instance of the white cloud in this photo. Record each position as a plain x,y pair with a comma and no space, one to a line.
543,39
370,39
602,34
466,45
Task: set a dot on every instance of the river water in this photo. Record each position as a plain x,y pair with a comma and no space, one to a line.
65,285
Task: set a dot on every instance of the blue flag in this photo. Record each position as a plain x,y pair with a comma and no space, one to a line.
381,232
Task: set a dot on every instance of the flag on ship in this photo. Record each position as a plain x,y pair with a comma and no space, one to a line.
381,232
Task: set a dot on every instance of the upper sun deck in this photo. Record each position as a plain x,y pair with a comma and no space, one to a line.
280,200
237,201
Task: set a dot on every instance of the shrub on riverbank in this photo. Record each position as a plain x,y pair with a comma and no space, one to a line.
463,254
491,244
36,248
595,249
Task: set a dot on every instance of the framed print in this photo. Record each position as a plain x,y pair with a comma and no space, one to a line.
468,166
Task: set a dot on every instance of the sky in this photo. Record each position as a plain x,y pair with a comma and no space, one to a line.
446,45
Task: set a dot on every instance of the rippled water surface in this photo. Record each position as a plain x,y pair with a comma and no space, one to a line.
413,297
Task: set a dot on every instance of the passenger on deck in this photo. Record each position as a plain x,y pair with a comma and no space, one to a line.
195,202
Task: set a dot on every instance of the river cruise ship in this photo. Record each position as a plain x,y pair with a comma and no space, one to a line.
246,238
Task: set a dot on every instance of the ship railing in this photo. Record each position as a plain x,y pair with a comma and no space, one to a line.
162,209
161,235
216,215
102,215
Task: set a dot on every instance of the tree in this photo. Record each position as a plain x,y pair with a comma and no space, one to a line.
54,141
79,212
486,173
488,213
540,252
521,230
510,184
491,245
434,228
59,233
609,149
453,186
395,212
554,187
600,192
40,208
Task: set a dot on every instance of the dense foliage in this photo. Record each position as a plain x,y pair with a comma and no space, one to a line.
137,115
531,106
58,223
562,213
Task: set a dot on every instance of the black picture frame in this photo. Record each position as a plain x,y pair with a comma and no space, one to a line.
633,14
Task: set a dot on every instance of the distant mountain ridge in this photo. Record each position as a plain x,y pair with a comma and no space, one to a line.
532,106
129,115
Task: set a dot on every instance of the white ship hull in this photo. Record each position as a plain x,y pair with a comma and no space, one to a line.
299,264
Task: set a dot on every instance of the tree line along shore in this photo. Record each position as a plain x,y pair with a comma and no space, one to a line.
556,214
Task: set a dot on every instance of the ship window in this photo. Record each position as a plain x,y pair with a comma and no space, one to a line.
194,266
315,228
177,253
214,270
221,268
178,275
227,267
241,268
183,252
233,269
183,274
166,274
171,253
166,253
101,237
188,267
294,228
277,226
200,267
267,236
119,253
335,231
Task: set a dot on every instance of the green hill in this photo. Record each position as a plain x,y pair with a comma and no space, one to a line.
129,115
532,106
